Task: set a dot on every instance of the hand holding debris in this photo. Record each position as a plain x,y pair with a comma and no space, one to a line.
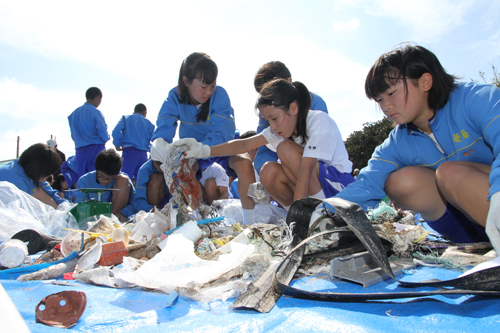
493,222
193,148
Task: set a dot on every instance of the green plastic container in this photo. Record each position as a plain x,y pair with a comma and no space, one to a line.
92,207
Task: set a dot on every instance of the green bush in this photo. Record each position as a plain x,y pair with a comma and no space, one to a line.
361,144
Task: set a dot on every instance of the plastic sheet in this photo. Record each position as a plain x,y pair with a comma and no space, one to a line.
128,310
177,268
20,211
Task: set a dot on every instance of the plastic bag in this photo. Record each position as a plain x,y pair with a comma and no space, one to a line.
259,194
232,211
20,211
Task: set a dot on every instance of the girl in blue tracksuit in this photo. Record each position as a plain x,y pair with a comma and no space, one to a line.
202,110
441,160
30,173
132,135
267,72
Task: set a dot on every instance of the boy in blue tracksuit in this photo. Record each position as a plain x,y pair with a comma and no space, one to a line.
30,175
267,72
151,189
442,159
107,175
88,130
133,135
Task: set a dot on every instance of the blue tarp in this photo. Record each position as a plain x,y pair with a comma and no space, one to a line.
124,310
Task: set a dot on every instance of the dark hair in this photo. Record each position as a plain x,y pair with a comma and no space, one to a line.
92,93
410,61
140,108
109,162
270,71
38,161
280,93
199,66
57,184
248,134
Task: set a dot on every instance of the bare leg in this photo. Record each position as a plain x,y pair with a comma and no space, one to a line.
155,189
276,183
214,192
465,185
290,155
121,197
415,188
211,190
242,165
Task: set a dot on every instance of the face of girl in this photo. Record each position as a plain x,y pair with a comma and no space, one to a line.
403,108
199,91
281,122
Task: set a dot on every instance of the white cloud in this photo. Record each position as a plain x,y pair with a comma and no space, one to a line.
352,24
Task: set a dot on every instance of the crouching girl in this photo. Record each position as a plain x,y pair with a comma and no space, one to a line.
313,159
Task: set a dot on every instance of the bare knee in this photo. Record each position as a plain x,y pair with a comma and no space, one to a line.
243,166
403,181
287,149
122,182
269,173
156,179
155,189
210,187
455,171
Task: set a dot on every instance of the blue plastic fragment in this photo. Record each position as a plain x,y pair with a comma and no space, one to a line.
200,222
13,273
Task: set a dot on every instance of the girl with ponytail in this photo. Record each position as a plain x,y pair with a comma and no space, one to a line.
313,159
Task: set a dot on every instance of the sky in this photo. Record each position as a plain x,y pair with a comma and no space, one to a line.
51,52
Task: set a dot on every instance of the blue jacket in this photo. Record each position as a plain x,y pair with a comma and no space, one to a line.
467,128
71,163
317,103
133,130
141,199
13,173
89,180
218,128
87,126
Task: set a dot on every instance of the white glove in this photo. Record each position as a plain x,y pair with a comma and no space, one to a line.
493,222
193,148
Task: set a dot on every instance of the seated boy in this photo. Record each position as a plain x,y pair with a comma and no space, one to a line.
107,175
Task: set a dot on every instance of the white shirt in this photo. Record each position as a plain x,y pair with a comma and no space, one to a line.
324,143
217,172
